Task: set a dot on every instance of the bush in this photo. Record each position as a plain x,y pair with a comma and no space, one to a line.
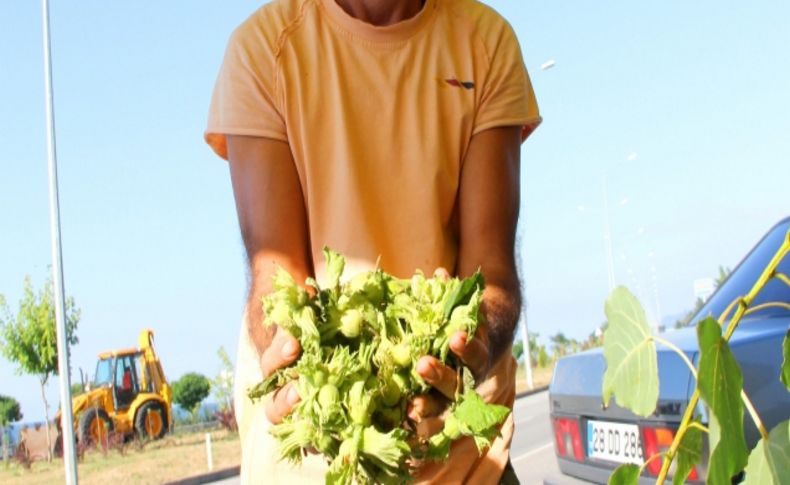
227,418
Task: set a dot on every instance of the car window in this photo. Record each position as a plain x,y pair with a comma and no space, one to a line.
745,275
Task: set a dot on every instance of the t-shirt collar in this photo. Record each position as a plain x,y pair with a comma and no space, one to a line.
391,33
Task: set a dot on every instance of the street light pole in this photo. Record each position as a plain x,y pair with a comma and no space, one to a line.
67,425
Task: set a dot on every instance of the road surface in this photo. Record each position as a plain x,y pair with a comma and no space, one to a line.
532,450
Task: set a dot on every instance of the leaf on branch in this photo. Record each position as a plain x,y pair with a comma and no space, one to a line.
631,367
786,363
771,464
720,383
625,475
688,454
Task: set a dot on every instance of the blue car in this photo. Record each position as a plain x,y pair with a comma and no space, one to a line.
591,441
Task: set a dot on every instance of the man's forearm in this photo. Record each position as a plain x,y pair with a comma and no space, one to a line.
501,308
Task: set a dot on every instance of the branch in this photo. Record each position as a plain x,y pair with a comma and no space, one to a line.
755,417
680,353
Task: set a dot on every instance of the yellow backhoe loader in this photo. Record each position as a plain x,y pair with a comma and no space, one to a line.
129,395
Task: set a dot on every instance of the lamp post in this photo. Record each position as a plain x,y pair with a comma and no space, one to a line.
67,425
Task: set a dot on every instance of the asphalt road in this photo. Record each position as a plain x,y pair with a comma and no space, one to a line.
532,450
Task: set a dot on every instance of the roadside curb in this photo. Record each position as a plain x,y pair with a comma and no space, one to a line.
209,477
531,391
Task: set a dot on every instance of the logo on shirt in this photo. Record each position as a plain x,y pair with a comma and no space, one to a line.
460,84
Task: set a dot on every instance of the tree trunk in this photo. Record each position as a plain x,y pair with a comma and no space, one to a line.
46,414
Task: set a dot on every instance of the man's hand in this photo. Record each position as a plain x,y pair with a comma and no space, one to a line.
427,410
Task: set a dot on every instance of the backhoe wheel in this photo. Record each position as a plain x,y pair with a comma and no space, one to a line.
95,427
151,421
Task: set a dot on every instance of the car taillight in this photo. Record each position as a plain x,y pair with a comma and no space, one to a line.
566,433
659,440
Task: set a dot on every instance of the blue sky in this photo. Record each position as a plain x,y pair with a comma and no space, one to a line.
697,90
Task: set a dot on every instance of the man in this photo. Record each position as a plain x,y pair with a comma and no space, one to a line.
383,129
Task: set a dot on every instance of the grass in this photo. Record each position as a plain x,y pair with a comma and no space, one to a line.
171,458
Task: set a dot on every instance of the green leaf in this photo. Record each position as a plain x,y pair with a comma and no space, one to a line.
688,454
625,475
786,363
477,416
631,367
720,383
771,464
757,471
462,293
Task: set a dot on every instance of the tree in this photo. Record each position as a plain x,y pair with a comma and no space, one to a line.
29,339
190,390
518,350
563,345
687,318
537,351
223,383
77,388
9,413
724,272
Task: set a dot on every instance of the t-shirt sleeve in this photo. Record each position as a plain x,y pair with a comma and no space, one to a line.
507,98
245,95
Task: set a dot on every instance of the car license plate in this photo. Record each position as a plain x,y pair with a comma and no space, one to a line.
616,442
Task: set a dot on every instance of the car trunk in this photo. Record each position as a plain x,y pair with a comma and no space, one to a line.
575,393
576,386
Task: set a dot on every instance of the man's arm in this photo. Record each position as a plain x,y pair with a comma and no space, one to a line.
489,199
273,223
488,206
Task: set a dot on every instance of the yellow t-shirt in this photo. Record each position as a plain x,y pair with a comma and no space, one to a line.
378,120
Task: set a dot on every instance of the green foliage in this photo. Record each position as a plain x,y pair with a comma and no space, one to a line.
30,339
77,388
562,345
786,362
518,350
190,390
720,384
595,339
688,454
222,384
683,322
537,351
627,474
631,366
9,411
770,465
